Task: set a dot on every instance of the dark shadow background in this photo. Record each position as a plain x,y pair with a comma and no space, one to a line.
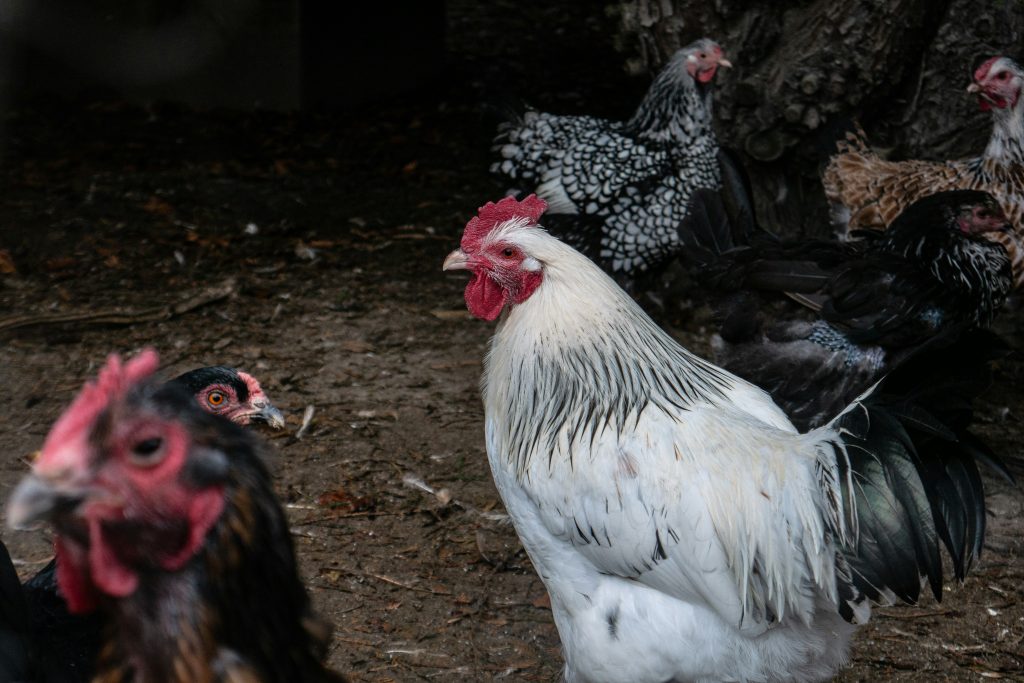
361,108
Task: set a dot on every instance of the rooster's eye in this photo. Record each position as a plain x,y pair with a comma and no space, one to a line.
703,55
215,398
1003,75
509,252
144,451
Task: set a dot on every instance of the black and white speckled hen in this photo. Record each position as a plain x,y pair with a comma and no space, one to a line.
852,311
39,605
617,190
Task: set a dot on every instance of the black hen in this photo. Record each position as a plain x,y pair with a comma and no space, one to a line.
46,625
815,323
165,520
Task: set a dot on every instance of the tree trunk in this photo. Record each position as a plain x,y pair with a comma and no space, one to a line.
806,70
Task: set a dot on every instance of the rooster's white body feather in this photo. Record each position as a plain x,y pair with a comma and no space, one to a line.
683,528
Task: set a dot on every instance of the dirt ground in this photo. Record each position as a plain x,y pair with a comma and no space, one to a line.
329,232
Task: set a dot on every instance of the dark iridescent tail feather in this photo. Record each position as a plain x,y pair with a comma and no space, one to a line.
913,474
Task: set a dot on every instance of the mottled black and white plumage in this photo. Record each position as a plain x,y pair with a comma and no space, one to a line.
855,310
684,530
617,190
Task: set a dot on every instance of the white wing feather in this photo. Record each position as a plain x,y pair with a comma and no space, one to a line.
712,507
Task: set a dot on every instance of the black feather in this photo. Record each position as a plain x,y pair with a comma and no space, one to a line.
196,380
837,316
916,483
15,663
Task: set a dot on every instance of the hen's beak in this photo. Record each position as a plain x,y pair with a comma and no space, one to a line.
38,499
457,260
267,412
973,88
725,62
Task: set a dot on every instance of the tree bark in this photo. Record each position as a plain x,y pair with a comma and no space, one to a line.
804,71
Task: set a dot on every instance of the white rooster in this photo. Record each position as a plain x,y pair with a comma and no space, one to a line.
684,530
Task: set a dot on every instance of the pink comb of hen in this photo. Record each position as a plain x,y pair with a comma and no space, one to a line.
982,71
251,384
492,214
68,437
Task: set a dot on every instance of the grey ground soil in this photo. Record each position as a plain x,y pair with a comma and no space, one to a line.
339,303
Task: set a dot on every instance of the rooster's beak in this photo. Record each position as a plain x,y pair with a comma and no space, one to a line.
973,88
725,62
457,260
38,499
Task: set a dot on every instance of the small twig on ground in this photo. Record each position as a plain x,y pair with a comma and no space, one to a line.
361,513
123,316
391,581
356,641
396,582
444,497
918,615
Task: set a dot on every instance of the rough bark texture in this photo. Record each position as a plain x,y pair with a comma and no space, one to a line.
805,70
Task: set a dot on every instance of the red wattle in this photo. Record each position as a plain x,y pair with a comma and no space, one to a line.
72,580
110,575
484,297
706,76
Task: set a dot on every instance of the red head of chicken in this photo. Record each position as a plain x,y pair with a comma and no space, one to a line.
703,59
231,393
502,273
165,519
113,464
998,83
982,218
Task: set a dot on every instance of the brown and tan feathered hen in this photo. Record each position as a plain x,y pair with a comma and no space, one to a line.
870,192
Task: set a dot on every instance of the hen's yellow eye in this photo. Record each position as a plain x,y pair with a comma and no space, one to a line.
215,398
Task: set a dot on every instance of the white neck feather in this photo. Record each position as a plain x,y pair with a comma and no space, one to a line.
578,306
1006,146
580,356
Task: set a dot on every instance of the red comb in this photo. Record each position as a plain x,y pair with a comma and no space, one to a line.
493,214
251,384
68,435
982,70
